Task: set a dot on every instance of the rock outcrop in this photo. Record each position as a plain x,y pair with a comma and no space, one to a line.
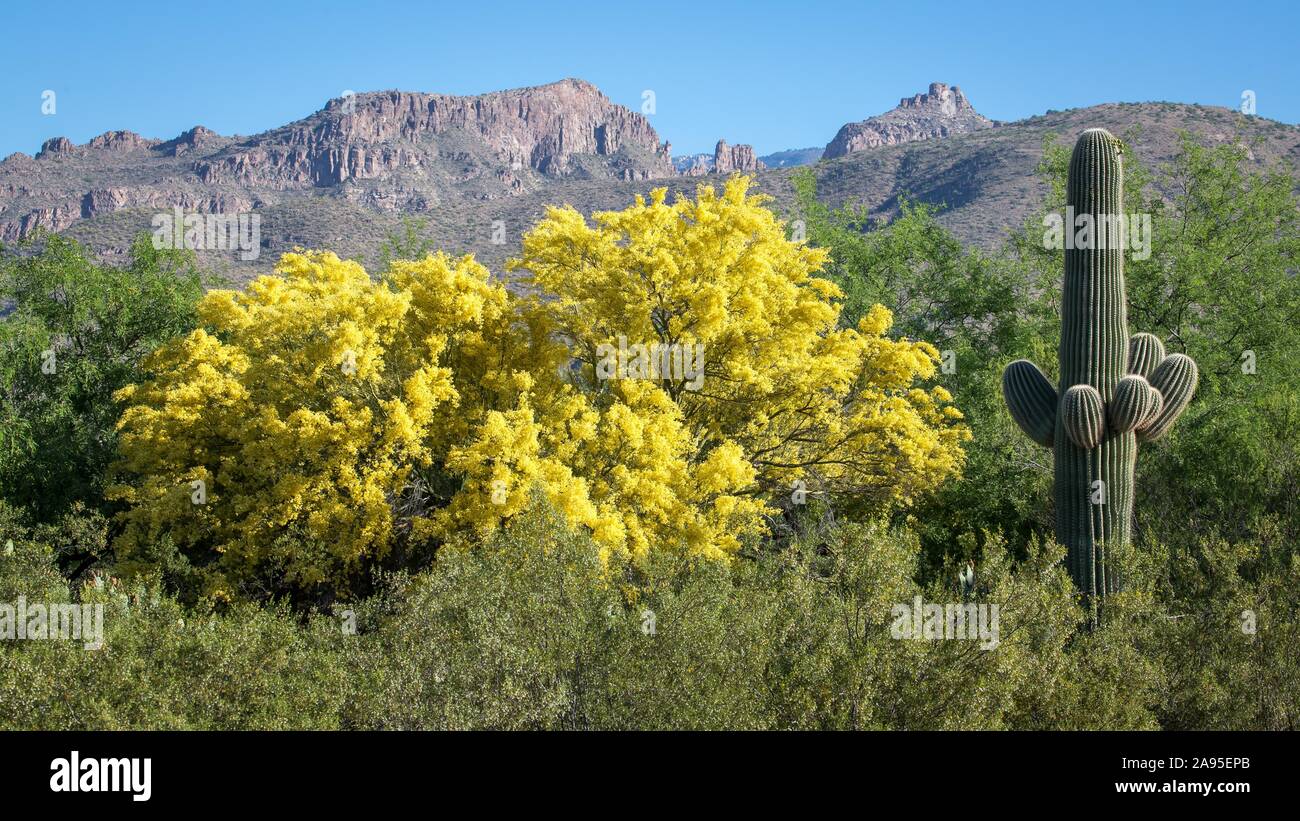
52,219
119,141
942,111
54,147
726,159
729,158
195,140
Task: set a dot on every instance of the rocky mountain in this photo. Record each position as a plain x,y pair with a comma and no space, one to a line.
391,151
732,158
478,171
985,180
940,112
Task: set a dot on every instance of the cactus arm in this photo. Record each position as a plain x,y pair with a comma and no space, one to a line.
1135,402
1175,378
1031,400
1083,416
1145,352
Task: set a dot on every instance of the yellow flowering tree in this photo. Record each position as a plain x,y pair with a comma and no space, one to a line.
766,390
279,443
676,369
626,469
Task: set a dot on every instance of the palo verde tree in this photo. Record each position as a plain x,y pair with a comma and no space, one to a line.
320,423
788,393
281,445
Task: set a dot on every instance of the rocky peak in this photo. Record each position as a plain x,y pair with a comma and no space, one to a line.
725,160
119,141
939,112
190,141
54,146
729,158
108,141
941,98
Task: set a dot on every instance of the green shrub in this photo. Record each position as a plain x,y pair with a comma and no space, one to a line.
74,334
532,631
160,666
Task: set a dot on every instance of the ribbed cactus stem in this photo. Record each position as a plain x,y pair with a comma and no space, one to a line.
1113,391
1094,473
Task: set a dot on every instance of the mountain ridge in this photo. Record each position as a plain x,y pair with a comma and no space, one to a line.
345,179
418,149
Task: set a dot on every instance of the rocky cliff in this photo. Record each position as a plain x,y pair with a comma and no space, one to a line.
365,136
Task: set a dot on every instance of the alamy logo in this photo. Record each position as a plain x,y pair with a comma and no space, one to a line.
962,622
39,621
681,363
75,774
1087,232
209,232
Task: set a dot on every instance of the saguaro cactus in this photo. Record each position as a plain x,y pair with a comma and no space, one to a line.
1114,392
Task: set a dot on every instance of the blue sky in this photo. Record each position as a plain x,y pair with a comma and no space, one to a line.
774,74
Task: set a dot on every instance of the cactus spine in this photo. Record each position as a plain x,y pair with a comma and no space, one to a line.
1114,391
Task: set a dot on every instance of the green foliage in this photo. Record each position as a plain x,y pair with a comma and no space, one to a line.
497,637
161,666
412,242
980,311
27,561
1233,469
75,333
1231,639
533,632
1221,280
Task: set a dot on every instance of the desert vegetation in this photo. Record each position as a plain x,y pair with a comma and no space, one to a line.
677,466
